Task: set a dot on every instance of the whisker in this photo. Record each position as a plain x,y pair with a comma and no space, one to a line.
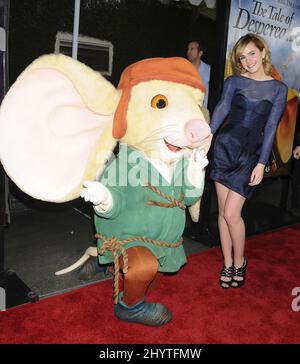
156,135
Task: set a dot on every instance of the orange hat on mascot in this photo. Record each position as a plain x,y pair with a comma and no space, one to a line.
174,69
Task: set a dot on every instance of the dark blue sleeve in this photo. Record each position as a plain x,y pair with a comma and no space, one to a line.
223,107
271,125
298,137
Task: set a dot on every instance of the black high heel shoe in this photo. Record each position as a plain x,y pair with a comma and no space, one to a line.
239,272
226,272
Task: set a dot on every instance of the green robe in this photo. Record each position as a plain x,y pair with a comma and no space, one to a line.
130,215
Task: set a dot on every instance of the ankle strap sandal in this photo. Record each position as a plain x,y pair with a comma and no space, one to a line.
239,272
226,272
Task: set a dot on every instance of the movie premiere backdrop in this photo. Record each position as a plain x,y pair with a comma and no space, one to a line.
278,22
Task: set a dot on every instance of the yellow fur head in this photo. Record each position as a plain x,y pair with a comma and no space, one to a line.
157,112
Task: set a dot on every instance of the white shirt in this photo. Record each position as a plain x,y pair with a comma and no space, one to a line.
204,71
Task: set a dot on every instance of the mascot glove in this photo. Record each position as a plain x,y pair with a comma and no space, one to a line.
98,194
195,170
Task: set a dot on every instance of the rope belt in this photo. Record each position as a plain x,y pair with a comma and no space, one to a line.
173,201
115,245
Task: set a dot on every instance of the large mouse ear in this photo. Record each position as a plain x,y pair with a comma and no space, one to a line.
56,127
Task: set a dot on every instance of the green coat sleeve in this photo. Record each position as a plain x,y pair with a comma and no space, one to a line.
118,204
111,179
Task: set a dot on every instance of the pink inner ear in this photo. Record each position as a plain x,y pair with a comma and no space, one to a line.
47,134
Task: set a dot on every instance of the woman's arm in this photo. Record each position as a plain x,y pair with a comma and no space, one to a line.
223,107
271,125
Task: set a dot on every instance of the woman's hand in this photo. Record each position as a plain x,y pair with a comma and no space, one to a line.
257,174
296,152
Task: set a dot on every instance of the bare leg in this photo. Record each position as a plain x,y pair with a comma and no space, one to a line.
226,241
236,226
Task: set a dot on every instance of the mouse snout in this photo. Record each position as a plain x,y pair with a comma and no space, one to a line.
196,130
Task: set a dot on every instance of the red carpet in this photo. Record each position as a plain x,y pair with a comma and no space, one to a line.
259,312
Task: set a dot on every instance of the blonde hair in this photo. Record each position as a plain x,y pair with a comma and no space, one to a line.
239,47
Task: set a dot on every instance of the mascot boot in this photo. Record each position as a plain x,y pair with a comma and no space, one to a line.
146,313
90,268
141,277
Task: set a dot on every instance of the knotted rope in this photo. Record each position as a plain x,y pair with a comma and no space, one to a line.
116,246
174,202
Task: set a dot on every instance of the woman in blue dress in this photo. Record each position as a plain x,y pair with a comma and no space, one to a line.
252,102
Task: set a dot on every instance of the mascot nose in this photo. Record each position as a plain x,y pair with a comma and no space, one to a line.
196,130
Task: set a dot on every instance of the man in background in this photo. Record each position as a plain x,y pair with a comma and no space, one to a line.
194,53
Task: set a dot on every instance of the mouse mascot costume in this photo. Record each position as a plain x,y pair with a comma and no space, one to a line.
59,124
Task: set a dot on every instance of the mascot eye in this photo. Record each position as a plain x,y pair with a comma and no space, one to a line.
159,102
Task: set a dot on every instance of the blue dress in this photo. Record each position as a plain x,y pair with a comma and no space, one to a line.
253,109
